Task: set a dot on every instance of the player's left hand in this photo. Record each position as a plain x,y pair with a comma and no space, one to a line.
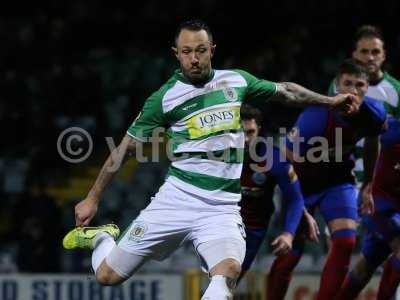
367,200
313,229
346,103
282,244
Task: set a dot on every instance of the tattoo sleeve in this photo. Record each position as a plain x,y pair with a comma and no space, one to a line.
293,94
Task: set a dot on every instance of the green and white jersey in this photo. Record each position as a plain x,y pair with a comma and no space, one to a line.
203,124
387,91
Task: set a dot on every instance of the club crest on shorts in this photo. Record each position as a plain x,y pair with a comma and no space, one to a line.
230,94
137,232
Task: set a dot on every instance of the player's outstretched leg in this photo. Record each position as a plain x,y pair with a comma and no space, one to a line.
102,240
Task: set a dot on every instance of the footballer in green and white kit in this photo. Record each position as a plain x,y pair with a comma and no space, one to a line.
202,188
200,109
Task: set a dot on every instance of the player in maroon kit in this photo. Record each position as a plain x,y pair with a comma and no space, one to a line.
329,184
258,181
382,223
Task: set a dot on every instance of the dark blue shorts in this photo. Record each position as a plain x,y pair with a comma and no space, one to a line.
335,203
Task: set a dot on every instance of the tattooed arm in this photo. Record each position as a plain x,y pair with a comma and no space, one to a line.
293,94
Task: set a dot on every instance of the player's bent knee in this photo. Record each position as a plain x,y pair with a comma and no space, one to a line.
107,276
228,267
223,256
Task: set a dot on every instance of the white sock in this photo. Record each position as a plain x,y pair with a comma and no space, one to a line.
103,244
218,289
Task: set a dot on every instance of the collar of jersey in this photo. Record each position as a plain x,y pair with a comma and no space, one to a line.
378,81
182,77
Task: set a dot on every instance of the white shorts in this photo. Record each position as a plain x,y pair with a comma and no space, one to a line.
173,217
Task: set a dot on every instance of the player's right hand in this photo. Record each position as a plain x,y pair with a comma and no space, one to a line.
367,200
347,103
282,244
85,211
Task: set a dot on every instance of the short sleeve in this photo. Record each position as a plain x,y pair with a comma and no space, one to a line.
150,118
257,88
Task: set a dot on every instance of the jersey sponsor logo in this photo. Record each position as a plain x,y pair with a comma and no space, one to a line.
137,232
230,94
213,121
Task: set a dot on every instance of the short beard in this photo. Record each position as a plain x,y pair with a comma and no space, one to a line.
197,80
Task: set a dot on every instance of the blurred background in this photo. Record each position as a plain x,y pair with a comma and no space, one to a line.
91,64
